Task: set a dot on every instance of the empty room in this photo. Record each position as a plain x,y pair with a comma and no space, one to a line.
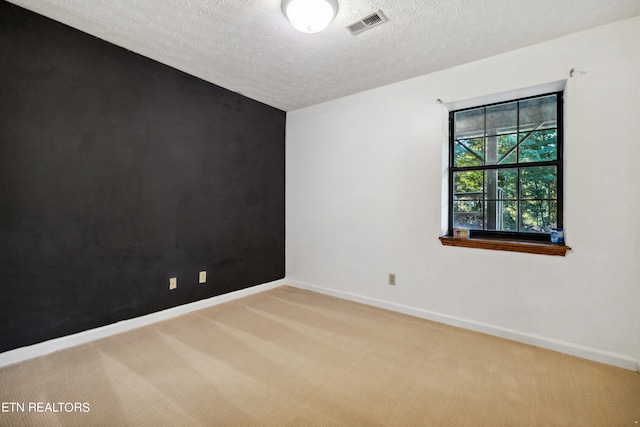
319,212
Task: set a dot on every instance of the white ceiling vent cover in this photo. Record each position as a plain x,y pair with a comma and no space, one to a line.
366,23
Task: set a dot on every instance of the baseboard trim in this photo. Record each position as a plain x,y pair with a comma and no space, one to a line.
584,352
24,353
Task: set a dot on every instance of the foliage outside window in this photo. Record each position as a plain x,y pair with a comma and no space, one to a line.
505,174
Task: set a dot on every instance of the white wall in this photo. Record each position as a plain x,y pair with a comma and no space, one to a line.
365,198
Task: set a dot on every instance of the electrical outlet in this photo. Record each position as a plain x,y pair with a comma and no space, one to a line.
203,277
392,279
173,283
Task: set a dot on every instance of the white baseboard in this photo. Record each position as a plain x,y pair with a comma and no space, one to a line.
40,349
523,337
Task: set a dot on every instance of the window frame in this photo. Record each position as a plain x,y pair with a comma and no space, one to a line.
558,163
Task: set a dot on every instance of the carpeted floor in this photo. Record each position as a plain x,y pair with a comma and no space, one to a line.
288,357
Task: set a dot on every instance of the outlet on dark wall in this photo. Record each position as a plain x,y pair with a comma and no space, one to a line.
117,173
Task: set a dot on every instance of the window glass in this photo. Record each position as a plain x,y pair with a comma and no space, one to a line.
501,119
538,146
538,113
507,166
469,124
469,152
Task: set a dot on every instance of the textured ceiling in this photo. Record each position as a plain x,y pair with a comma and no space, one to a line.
249,47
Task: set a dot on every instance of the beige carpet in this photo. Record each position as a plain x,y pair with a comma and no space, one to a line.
288,357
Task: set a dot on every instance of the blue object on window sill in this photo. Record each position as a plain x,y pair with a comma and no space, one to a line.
557,236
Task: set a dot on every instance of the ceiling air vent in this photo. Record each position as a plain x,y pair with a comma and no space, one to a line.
366,23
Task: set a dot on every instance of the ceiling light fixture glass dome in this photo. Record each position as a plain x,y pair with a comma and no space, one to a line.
310,16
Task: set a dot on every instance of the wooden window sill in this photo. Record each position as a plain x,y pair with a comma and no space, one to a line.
507,245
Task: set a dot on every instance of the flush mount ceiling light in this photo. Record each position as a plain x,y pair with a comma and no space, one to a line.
310,16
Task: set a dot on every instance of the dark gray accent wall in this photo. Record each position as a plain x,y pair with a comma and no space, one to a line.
117,173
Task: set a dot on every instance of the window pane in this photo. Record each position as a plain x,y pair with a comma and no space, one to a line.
468,214
501,184
469,124
538,113
538,183
539,146
538,216
502,119
501,215
469,152
467,184
467,205
507,149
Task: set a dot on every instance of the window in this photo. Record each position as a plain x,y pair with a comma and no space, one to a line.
505,169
